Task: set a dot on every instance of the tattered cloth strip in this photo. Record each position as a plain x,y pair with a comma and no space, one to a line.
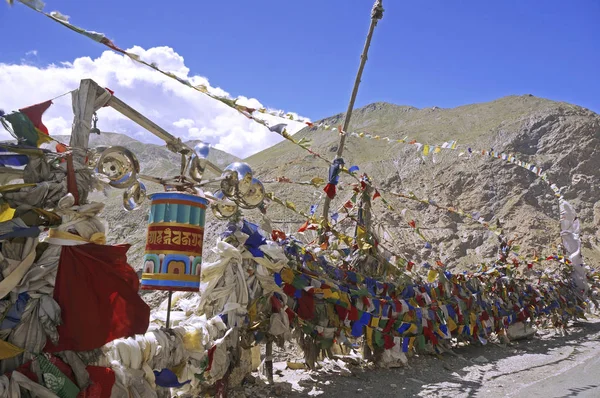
98,294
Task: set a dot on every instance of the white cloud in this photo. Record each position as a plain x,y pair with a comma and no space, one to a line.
184,123
181,110
32,52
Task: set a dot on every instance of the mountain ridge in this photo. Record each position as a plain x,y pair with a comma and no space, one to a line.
561,138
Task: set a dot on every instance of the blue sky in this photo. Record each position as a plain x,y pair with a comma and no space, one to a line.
302,55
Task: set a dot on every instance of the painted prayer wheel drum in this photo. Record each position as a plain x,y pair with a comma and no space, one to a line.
174,242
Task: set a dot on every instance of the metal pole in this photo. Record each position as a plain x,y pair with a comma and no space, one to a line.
169,309
376,15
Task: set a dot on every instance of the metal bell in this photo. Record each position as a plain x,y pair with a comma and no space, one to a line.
198,161
254,197
223,208
238,177
134,196
120,165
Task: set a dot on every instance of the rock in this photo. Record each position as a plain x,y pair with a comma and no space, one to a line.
481,359
519,331
282,389
296,365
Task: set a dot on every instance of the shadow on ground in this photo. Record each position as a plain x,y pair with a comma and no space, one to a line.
469,374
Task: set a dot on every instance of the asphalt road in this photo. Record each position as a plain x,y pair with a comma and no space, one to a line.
581,380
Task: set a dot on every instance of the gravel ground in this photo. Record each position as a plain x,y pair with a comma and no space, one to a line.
549,365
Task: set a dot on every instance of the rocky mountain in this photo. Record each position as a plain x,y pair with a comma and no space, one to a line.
561,138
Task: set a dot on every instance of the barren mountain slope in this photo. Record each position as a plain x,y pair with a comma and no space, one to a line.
561,138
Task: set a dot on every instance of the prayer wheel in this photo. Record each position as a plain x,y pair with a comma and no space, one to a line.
173,256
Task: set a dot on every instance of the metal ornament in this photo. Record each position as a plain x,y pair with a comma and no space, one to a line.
237,179
223,207
254,197
134,196
120,165
198,161
95,129
94,154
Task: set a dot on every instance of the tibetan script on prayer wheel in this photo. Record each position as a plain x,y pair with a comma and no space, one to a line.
174,242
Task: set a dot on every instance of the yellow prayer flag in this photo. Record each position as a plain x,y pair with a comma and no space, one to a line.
432,275
411,343
451,324
6,212
344,298
8,350
287,275
252,311
425,150
437,149
370,338
375,321
473,317
317,181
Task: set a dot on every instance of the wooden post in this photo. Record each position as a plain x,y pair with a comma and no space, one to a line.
86,100
376,15
269,361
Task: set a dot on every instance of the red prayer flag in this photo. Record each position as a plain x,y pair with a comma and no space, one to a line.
330,190
97,292
306,306
353,315
35,112
303,227
388,342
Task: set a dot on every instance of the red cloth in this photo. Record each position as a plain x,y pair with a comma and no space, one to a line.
98,295
35,112
388,341
353,315
330,190
306,306
303,227
102,381
342,312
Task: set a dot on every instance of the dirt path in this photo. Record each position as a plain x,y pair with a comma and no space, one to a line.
547,366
